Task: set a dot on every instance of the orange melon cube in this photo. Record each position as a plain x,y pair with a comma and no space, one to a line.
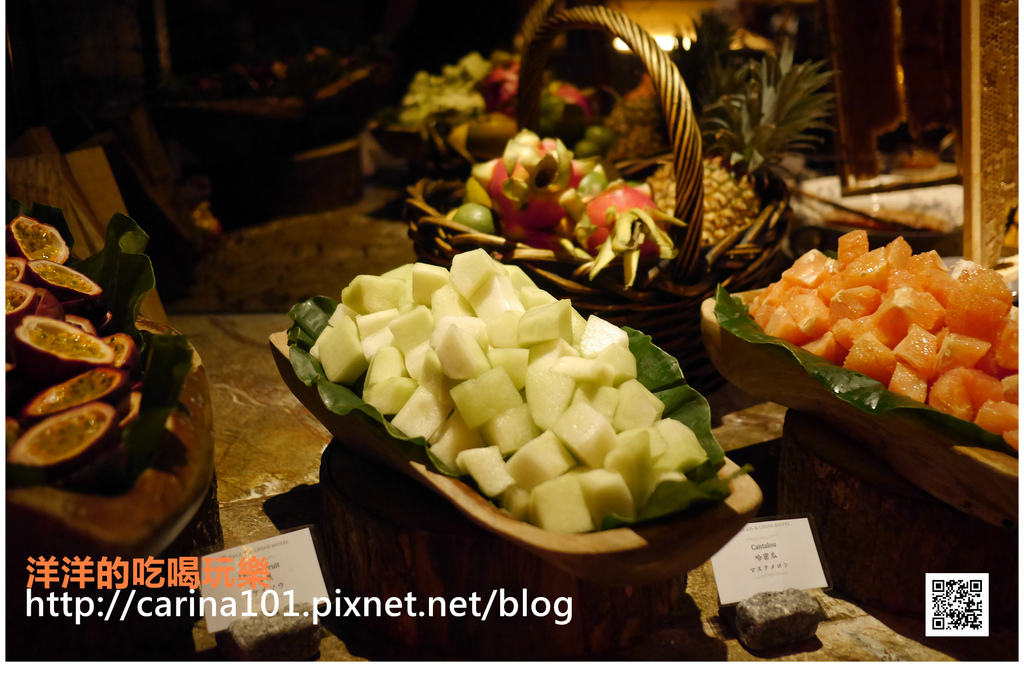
1010,389
959,351
908,383
904,306
975,314
997,416
764,314
847,330
775,293
871,357
810,314
852,246
855,302
826,347
918,350
939,284
981,388
782,325
904,278
920,264
830,287
1011,437
985,281
949,394
810,270
871,270
897,253
1006,345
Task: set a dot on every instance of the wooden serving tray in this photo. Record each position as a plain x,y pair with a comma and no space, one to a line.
646,553
142,521
978,481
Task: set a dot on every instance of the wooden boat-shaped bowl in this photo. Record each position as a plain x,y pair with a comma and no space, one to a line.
979,481
145,519
649,552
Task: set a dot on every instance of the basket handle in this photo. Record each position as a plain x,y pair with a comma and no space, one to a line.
535,18
675,101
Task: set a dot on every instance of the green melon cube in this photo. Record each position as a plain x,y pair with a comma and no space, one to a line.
412,329
540,459
515,362
586,433
374,322
432,377
600,334
447,301
631,458
559,505
548,394
460,354
373,343
546,323
427,279
579,326
402,272
487,468
545,354
475,326
372,293
390,395
603,399
341,353
421,416
510,430
484,397
606,494
494,297
638,407
503,329
516,501
471,269
387,362
452,438
414,360
532,297
519,277
621,361
683,451
588,370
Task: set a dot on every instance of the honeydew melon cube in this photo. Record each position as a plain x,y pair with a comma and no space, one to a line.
503,329
487,468
603,399
683,451
447,301
433,378
546,323
586,433
660,476
494,297
546,354
658,443
390,395
484,397
631,458
515,362
373,343
621,361
585,370
548,394
540,459
373,293
471,269
342,311
599,334
519,277
510,430
460,355
314,350
579,326
516,502
402,272
559,505
606,494
532,297
412,329
475,326
421,416
374,322
427,279
638,407
453,438
341,353
387,362
414,360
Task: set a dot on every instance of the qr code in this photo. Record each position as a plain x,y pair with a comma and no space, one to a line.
957,604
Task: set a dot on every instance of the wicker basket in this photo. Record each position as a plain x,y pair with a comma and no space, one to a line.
665,301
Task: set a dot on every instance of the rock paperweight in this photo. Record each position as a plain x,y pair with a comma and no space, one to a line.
776,618
274,638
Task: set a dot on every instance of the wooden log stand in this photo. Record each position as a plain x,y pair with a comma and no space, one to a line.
387,536
880,534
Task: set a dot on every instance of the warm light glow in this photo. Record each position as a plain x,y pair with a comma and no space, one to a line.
666,43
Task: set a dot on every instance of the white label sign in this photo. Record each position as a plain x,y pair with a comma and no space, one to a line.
770,555
263,577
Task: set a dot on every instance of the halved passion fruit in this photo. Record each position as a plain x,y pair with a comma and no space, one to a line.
13,430
134,405
108,385
51,351
15,269
83,323
126,353
77,293
68,440
30,239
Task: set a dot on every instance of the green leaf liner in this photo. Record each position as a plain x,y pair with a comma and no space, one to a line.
852,387
656,370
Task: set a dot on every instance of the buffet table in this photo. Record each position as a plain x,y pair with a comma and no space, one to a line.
267,454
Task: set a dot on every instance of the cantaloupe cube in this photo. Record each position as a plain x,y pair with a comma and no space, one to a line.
515,361
621,361
341,353
421,416
870,269
532,297
918,350
631,458
559,505
949,394
764,314
897,253
542,458
1010,388
460,354
825,347
599,335
510,430
548,394
476,327
547,353
810,270
980,387
515,500
487,468
852,245
1012,437
908,383
503,330
427,279
587,434
446,301
683,450
974,313
606,494
548,322
905,306
810,314
959,351
494,297
853,303
372,293
590,370
1007,342
871,357
390,395
603,399
452,438
997,416
486,396
387,362
782,325
471,269
920,264
638,408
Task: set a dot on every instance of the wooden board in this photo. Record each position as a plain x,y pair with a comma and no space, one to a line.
648,552
977,481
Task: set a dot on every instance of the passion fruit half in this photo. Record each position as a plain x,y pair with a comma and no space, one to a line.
15,269
68,441
108,385
30,239
77,293
126,353
134,405
51,351
13,433
83,323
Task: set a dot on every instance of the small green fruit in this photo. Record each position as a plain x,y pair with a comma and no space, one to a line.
602,136
476,217
585,149
592,183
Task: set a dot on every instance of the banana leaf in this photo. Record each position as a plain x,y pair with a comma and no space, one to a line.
852,387
656,370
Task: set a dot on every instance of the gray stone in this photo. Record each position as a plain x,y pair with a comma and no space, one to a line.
273,638
774,619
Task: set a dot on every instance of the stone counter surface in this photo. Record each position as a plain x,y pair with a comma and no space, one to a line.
267,454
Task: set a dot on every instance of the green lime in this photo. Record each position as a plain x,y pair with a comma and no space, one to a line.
602,136
475,216
585,149
592,183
